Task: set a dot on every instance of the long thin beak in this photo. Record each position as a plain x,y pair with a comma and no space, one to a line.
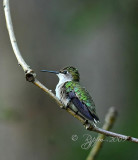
56,72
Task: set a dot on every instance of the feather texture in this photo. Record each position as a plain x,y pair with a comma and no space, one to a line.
82,100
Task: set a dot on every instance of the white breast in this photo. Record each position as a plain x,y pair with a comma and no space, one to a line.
62,80
58,90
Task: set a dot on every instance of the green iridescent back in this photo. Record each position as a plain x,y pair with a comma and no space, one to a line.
81,93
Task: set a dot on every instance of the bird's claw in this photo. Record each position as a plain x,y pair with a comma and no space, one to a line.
85,122
76,113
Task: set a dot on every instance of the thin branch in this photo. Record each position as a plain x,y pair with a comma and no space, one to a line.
12,37
109,121
31,77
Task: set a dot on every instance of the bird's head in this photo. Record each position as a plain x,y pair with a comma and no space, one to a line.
66,74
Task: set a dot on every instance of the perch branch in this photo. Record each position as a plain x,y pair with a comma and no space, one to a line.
31,77
109,121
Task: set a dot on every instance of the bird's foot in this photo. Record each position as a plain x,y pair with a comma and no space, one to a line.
76,113
85,122
67,106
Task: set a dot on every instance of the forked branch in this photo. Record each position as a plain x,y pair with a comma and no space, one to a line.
31,77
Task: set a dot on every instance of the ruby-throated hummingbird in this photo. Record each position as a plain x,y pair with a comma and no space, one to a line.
72,94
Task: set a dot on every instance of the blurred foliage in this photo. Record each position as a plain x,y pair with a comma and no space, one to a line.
90,15
101,39
9,114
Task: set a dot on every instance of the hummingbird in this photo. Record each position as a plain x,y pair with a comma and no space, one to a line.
70,92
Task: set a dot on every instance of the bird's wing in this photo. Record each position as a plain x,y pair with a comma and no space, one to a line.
82,100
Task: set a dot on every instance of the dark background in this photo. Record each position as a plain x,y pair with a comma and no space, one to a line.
100,38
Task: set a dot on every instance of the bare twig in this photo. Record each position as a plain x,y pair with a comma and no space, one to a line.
31,77
109,121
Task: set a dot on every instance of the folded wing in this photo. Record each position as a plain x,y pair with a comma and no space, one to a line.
82,108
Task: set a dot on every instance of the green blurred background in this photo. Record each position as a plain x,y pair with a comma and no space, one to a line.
100,38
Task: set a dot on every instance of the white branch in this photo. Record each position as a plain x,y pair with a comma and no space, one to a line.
12,37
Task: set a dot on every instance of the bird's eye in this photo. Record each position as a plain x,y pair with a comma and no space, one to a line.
65,72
